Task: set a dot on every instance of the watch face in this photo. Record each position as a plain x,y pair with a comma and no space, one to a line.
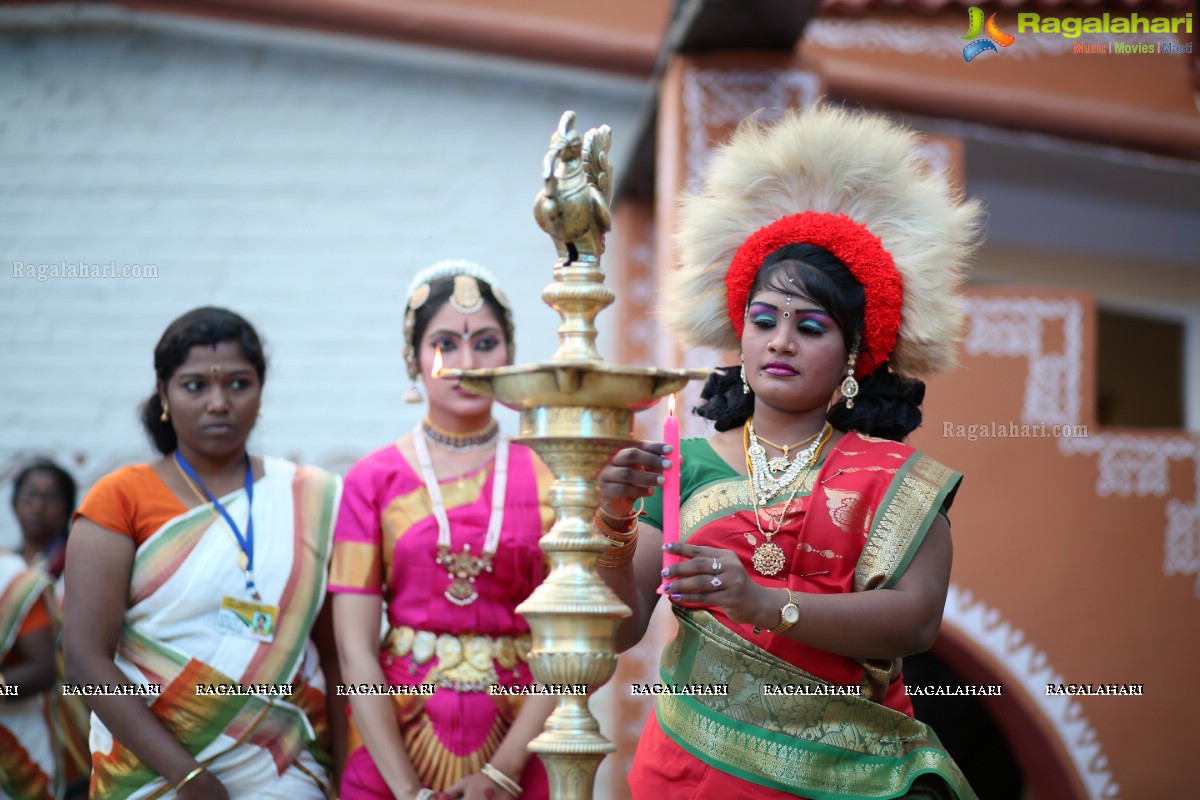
791,614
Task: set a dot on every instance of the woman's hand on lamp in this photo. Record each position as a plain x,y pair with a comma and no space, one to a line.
632,473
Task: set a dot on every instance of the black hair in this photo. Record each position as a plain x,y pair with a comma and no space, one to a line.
200,326
888,406
440,291
66,484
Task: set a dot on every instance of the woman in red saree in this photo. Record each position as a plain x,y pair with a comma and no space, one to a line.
814,548
443,526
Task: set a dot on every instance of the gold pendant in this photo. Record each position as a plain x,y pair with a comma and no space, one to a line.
461,592
463,569
768,559
778,464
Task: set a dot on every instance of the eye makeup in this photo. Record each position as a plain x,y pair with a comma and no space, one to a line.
761,314
814,321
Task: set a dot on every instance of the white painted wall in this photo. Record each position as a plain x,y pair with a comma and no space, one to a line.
297,178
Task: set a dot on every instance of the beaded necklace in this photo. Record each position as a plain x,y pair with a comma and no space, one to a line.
460,442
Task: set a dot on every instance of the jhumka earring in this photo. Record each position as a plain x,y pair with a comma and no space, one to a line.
745,383
165,416
850,385
413,395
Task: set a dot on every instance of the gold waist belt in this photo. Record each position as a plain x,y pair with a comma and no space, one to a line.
465,663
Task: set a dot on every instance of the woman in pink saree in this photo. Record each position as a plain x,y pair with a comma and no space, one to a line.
439,531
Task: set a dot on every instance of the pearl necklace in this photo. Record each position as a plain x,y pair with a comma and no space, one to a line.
766,485
463,567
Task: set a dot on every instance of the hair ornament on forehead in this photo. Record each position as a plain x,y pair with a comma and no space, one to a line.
466,298
419,287
418,297
850,183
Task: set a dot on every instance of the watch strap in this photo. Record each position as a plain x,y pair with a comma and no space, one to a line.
783,623
782,626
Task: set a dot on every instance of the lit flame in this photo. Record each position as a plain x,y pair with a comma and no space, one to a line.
436,372
671,405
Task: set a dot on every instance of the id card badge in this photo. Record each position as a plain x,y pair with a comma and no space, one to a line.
247,618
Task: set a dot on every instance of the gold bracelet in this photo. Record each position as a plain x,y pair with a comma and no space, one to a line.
188,777
500,779
620,555
613,533
639,509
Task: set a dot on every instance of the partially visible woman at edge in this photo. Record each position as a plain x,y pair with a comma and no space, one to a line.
44,497
30,755
815,551
206,568
443,526
43,500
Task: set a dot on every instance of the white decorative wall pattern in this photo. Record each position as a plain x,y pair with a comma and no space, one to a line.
642,330
713,98
1128,464
1132,465
1016,327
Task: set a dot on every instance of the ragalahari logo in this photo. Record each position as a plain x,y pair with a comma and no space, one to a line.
995,35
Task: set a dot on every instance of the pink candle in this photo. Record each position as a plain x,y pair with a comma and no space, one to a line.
670,495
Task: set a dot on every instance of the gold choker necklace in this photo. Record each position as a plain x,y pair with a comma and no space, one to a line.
768,558
779,464
460,442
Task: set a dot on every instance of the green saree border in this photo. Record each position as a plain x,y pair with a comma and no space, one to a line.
903,517
803,745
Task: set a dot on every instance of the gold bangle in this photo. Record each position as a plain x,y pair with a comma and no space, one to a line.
187,778
613,533
639,509
500,779
620,555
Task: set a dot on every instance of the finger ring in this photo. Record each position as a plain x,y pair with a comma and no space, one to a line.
716,566
716,582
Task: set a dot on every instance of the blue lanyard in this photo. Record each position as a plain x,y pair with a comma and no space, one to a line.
245,542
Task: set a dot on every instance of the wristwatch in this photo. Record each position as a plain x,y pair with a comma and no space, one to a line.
789,615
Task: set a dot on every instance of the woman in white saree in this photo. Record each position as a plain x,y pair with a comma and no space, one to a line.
195,586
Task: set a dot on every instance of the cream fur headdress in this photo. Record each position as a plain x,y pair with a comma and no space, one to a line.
832,162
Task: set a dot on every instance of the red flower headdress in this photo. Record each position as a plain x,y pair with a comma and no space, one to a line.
855,246
850,183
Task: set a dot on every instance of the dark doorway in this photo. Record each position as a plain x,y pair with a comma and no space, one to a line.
967,731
